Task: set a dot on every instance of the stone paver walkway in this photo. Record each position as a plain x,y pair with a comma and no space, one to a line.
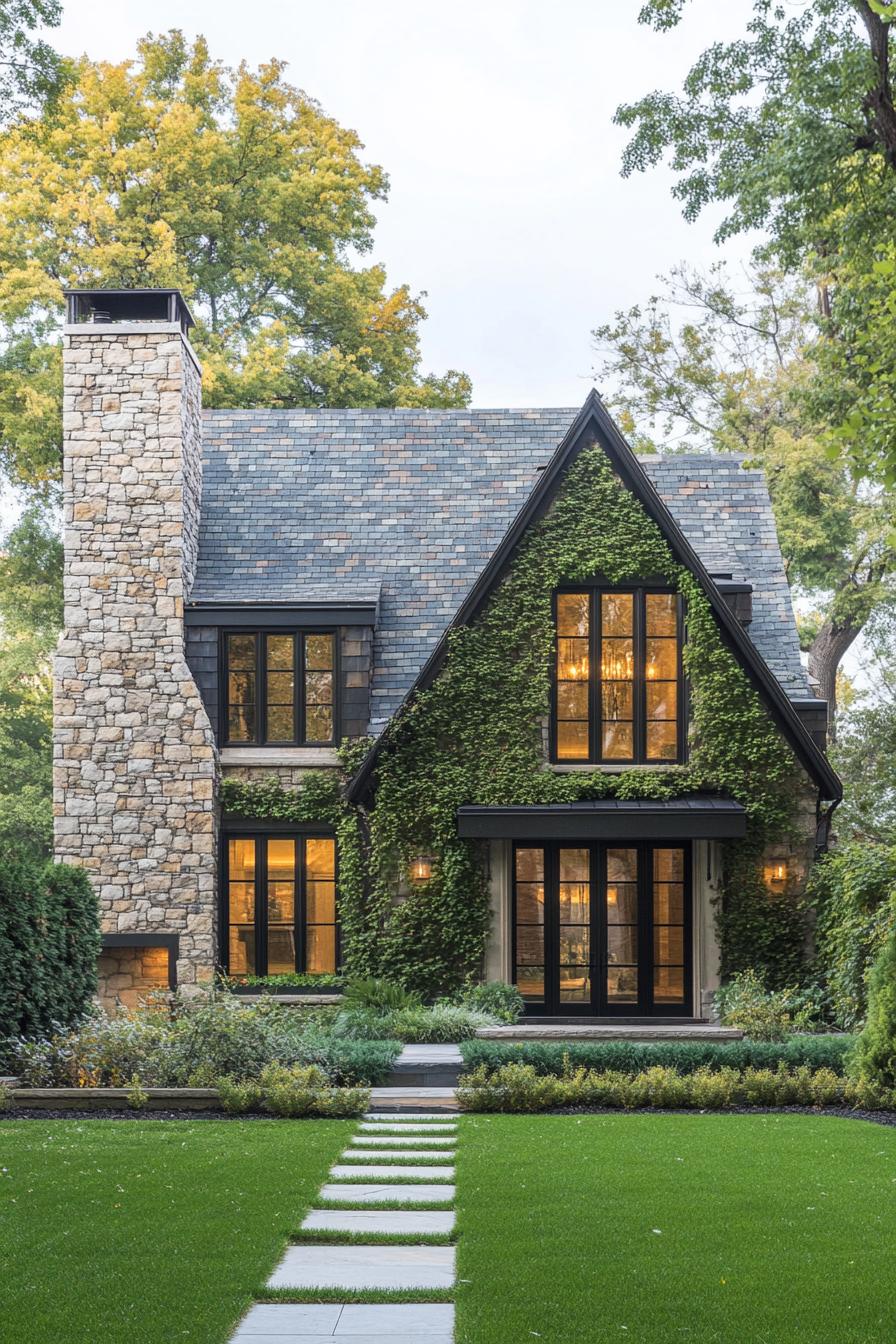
405,1323
420,1148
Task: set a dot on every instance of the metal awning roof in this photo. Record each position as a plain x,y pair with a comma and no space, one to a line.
691,818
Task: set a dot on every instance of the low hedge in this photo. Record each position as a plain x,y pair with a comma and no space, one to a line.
282,984
554,1057
519,1088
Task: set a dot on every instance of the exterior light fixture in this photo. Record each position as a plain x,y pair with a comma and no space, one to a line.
421,868
776,874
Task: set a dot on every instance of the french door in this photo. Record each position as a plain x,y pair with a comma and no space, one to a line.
603,929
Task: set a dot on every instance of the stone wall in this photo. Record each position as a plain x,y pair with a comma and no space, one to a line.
134,761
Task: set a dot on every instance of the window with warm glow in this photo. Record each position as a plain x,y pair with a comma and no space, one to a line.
280,688
617,676
281,904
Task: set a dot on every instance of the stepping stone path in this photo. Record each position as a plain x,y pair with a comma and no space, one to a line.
420,1171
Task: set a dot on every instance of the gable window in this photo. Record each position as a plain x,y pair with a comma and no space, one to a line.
617,691
280,904
280,688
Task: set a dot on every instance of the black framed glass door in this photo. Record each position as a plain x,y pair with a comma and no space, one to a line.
603,929
279,904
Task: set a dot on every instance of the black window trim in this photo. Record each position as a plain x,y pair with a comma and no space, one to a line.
299,634
260,834
640,589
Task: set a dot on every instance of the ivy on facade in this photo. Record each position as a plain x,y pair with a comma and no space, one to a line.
477,736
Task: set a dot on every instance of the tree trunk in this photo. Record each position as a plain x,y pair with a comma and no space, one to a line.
825,656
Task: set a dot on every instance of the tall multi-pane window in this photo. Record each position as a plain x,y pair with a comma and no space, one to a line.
281,904
617,695
280,688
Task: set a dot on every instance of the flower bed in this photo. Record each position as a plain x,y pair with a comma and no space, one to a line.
195,1044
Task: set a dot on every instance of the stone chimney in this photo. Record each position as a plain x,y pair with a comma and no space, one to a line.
134,756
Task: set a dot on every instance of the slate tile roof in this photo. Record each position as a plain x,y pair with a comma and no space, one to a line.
305,504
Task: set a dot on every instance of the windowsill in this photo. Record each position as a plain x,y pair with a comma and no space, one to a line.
604,769
313,757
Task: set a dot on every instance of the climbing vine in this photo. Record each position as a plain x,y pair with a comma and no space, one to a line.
476,736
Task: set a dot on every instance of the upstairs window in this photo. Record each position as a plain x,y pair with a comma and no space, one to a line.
280,688
617,693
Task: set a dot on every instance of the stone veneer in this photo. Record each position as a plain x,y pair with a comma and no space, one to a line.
135,764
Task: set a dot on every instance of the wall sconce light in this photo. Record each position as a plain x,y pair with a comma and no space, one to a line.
421,868
776,875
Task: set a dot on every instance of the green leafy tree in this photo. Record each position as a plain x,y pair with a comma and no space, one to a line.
709,367
865,754
30,619
231,184
30,70
792,128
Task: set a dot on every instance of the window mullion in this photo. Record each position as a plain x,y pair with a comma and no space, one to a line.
299,686
639,690
595,687
301,921
261,688
261,904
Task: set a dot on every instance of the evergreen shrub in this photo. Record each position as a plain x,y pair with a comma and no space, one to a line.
874,1061
49,944
552,1057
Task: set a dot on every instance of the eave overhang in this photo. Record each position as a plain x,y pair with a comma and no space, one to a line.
673,819
239,615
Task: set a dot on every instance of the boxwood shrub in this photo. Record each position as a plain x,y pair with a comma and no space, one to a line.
631,1057
519,1088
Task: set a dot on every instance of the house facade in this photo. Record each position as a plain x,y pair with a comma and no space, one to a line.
422,693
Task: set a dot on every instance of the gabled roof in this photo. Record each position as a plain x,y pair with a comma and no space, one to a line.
306,505
594,421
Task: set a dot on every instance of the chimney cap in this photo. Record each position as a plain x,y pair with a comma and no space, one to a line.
88,306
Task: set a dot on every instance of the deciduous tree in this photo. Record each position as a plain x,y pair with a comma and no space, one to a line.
792,128
30,70
233,185
711,368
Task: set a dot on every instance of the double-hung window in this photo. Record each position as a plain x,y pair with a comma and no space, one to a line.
618,676
280,687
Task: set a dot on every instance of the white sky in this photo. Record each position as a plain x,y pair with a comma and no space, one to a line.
494,123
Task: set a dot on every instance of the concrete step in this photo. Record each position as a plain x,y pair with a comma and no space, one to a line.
382,1192
401,1100
436,1155
394,1222
574,1031
390,1172
426,1066
356,1323
365,1267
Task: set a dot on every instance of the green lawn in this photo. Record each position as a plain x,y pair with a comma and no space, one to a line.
148,1232
657,1229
